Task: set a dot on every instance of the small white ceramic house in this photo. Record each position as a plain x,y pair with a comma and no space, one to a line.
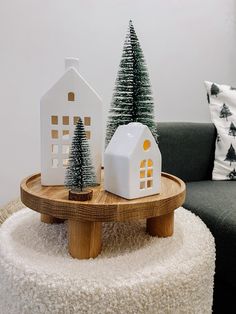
132,162
68,99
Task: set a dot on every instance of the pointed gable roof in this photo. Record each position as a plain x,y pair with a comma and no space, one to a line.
79,79
127,137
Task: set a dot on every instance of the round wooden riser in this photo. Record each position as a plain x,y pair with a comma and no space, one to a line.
85,217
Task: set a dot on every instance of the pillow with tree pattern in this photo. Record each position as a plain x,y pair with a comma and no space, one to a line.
222,103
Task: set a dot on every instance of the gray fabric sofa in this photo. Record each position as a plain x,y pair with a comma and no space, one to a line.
188,152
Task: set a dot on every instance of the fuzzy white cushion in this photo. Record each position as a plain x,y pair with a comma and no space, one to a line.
222,103
135,273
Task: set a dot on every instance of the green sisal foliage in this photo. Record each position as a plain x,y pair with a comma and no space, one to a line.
80,171
132,98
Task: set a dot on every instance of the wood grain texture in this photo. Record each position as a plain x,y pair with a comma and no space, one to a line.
161,226
48,219
104,206
85,239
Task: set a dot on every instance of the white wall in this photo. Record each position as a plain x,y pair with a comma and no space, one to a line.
185,42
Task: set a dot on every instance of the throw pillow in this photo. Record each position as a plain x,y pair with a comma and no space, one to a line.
222,102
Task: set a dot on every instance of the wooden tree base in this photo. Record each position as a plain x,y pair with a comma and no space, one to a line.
81,195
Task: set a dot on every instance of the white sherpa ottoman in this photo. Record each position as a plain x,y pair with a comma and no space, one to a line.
135,273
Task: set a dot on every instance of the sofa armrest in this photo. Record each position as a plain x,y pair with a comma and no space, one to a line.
187,149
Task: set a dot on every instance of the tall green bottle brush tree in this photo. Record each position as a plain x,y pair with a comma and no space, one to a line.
132,98
80,172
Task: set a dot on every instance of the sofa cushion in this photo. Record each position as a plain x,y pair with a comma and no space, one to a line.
215,203
187,149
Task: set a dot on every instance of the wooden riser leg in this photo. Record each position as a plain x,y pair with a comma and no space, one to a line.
85,238
161,226
48,219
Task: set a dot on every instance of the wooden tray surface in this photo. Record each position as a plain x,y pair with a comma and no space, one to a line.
105,206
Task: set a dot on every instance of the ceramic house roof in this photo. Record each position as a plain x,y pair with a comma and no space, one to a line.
78,79
127,137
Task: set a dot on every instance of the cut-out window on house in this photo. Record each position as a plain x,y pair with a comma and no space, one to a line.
88,135
75,120
146,174
142,174
65,134
65,162
149,183
150,163
71,96
149,173
65,149
65,120
54,148
87,121
142,185
55,163
54,134
54,119
143,164
146,144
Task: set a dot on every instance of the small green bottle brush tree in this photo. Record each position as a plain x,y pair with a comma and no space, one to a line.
132,98
80,173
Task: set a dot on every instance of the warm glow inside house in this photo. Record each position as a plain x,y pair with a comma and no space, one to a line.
68,99
132,162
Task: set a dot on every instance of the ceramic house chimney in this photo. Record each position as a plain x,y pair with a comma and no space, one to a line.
71,62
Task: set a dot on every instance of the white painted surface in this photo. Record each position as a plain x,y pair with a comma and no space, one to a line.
131,168
55,105
184,42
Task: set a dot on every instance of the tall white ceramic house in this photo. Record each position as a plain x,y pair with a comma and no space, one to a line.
132,162
69,98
